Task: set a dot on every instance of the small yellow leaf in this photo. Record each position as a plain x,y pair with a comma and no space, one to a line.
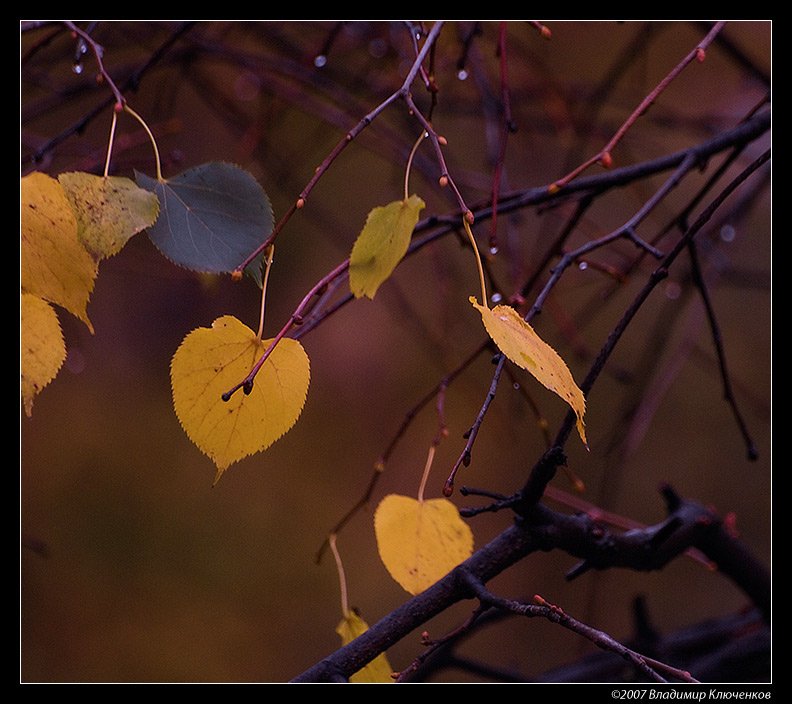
382,244
109,210
420,541
42,347
209,362
520,343
379,669
54,264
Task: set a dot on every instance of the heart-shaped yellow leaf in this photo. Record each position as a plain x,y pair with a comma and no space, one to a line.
420,541
42,347
520,343
109,210
54,264
382,244
379,669
209,362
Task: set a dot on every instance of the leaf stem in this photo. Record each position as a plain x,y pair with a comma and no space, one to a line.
424,135
270,255
341,575
110,144
150,136
427,467
478,262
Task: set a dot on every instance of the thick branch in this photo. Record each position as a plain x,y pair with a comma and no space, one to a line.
688,525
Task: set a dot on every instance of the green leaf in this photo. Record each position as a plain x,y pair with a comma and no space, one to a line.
109,210
211,218
523,346
382,244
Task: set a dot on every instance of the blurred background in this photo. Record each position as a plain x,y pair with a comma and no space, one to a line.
135,569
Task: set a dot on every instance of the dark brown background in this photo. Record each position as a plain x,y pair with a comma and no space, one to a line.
150,574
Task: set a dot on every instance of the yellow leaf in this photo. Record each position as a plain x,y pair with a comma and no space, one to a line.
42,347
520,343
379,669
54,264
209,362
382,244
109,210
420,541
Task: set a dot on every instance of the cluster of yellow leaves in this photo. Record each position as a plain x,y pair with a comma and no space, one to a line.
68,225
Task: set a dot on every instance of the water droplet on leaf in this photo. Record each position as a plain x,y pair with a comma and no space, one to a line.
462,74
320,61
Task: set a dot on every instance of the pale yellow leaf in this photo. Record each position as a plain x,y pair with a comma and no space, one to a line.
42,348
54,264
379,669
209,362
109,210
520,343
420,541
382,244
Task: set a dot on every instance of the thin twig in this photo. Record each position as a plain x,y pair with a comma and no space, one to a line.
471,435
508,126
130,83
432,646
717,341
604,156
322,169
542,609
382,460
543,472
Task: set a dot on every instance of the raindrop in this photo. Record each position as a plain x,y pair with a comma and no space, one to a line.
462,74
496,298
77,67
673,290
728,233
493,250
583,266
320,60
516,386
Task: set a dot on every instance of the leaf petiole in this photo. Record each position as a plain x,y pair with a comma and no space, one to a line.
478,262
150,136
341,575
410,158
110,144
268,259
